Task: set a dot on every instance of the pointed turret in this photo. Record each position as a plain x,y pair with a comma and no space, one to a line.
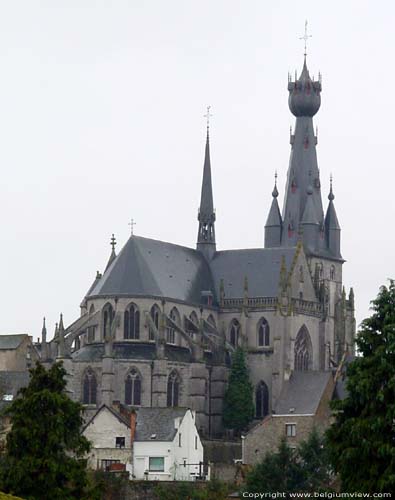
113,255
273,226
44,345
304,102
332,227
310,223
206,216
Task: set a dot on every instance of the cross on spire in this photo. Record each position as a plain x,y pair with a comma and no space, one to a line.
208,115
131,224
305,37
113,242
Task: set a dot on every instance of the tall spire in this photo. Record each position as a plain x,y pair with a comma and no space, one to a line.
332,226
273,226
206,216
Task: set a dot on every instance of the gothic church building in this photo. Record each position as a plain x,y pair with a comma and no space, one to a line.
158,327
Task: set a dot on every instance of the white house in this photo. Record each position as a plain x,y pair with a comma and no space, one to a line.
156,444
167,445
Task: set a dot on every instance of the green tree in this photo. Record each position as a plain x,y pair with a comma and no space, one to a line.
43,458
238,402
362,438
313,460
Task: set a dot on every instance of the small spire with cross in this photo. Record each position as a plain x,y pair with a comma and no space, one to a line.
208,115
305,37
113,242
131,224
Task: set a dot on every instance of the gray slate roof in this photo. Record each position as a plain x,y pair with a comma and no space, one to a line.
303,392
149,267
260,265
159,421
12,341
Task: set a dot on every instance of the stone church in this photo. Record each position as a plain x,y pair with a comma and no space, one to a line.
158,326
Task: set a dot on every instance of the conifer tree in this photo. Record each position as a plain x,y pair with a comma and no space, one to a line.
44,451
238,402
362,438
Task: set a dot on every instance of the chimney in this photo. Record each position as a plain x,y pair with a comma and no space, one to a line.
133,418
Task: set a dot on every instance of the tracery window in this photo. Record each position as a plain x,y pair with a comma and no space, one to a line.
303,350
155,315
133,388
89,391
261,400
170,331
263,333
108,316
131,323
173,389
234,332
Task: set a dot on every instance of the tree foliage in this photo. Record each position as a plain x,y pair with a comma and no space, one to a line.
44,450
362,438
305,469
238,402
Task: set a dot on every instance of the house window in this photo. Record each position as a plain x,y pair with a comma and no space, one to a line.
133,388
154,313
106,463
261,400
173,389
156,464
234,332
263,333
89,388
179,440
119,442
131,323
290,430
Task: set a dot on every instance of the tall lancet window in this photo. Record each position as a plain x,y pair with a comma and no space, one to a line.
303,351
173,389
108,316
263,333
170,331
155,315
261,400
89,390
133,388
234,332
131,323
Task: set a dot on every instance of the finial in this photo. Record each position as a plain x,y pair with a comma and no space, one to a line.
331,196
208,115
275,190
113,242
305,37
44,328
131,224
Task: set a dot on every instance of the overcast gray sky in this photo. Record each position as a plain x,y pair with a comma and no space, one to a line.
101,120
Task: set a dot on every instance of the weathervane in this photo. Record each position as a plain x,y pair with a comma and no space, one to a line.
305,37
208,115
131,224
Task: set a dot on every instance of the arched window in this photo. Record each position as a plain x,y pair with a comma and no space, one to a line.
170,332
155,315
108,316
234,332
333,272
133,388
211,321
131,323
173,389
320,270
303,350
194,318
263,333
89,392
261,400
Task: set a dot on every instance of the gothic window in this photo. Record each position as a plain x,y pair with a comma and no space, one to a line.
91,333
131,323
211,321
194,318
89,388
263,333
303,350
234,332
173,389
170,332
133,388
155,315
261,400
320,270
108,316
332,275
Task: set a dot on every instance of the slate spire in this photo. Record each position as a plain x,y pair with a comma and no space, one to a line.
206,216
332,226
273,226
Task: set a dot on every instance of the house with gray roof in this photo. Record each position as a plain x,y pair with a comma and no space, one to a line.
158,326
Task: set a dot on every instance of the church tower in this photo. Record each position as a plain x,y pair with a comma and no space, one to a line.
206,217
